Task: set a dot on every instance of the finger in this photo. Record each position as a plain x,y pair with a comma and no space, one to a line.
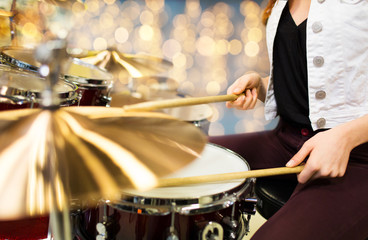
308,174
247,100
236,88
310,171
300,156
254,98
236,103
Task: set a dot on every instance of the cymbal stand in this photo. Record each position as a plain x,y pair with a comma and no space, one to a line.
52,55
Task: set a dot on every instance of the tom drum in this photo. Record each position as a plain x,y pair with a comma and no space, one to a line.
21,89
94,84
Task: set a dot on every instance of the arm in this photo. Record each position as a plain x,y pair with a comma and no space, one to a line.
329,151
254,88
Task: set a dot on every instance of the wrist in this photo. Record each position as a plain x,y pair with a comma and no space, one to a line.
354,132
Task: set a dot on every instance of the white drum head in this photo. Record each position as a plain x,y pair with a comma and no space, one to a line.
30,82
213,160
85,74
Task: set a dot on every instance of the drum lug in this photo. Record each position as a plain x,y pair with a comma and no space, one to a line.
105,227
231,224
79,97
213,231
172,236
32,99
231,227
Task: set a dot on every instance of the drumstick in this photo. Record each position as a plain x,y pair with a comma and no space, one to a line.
170,182
178,102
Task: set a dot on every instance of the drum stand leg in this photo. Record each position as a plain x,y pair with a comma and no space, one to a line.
248,209
59,217
60,225
13,35
172,232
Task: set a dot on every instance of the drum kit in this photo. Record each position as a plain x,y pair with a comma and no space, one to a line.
89,167
89,157
85,92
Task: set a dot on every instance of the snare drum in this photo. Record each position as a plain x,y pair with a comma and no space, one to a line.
20,89
202,211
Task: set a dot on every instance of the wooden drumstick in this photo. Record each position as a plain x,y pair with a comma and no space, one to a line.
170,182
178,102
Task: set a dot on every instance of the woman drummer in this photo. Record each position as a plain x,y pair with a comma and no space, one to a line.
318,86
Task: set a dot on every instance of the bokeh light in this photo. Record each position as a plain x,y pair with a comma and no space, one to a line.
210,43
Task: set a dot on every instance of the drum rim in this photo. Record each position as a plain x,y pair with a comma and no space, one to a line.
11,61
191,205
22,95
90,82
8,60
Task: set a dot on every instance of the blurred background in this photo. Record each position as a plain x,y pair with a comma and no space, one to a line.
209,43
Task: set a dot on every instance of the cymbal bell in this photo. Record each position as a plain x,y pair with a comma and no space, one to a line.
54,156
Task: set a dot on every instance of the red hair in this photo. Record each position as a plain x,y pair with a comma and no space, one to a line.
267,11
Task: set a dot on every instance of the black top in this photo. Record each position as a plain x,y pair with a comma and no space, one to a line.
290,70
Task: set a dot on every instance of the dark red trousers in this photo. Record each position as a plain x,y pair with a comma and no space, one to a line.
321,209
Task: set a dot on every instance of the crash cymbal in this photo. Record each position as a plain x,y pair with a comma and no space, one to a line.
120,99
67,4
53,156
135,65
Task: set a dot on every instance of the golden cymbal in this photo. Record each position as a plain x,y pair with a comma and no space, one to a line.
49,156
119,99
135,65
67,4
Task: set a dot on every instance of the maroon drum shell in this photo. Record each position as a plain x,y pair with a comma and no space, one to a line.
134,225
28,228
93,96
94,84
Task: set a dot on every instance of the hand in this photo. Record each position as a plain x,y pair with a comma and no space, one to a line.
249,84
328,156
